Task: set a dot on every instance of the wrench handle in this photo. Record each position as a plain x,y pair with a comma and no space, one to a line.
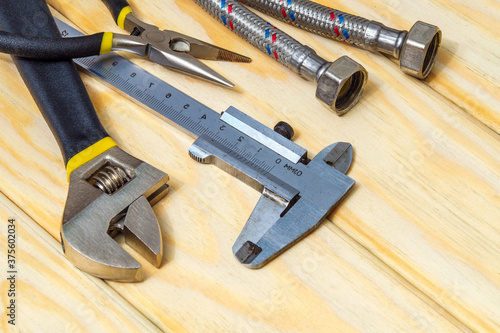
55,86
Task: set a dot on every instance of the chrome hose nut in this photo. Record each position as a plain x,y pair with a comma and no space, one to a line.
341,85
419,51
416,49
338,88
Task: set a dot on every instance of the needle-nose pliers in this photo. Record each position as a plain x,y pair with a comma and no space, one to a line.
169,48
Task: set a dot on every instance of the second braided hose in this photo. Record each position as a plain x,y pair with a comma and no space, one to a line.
315,18
253,28
340,83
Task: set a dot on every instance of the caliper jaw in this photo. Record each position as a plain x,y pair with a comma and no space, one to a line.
266,213
92,216
277,224
297,194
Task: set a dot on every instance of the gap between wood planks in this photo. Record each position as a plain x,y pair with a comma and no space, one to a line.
377,260
393,273
101,285
365,252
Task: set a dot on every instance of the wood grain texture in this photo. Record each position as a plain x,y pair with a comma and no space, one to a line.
53,296
414,247
467,71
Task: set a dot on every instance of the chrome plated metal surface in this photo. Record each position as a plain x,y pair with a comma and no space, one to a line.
174,50
416,49
337,95
297,193
93,215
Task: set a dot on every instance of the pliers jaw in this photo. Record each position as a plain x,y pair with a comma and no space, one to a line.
102,203
174,50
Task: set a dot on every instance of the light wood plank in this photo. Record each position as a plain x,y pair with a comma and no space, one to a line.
51,294
56,296
467,71
201,286
426,205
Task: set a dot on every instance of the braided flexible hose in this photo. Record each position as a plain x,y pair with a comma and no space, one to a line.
416,50
253,28
340,84
316,18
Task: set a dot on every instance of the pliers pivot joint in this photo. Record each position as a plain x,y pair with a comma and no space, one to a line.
173,49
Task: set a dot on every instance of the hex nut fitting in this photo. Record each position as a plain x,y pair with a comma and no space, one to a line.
419,50
341,85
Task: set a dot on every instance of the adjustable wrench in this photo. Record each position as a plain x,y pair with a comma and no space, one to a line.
297,192
109,190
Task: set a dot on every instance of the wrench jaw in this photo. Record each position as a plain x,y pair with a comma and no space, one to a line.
108,261
276,224
92,216
142,229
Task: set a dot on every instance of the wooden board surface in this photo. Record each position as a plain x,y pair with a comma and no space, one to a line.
415,247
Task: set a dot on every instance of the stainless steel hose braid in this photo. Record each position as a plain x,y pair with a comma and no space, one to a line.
416,49
340,84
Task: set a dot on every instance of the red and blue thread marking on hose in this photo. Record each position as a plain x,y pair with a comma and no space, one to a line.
271,39
290,12
336,29
340,18
271,36
229,11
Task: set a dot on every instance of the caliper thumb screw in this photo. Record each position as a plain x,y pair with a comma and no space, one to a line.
284,129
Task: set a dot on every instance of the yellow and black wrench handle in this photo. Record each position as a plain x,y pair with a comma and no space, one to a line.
56,87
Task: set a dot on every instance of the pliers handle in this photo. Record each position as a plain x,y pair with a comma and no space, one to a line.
168,48
165,47
119,9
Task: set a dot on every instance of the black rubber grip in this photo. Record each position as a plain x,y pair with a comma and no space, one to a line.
115,7
48,48
55,86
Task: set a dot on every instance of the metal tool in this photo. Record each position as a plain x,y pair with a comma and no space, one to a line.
416,49
340,83
168,48
109,190
297,193
113,193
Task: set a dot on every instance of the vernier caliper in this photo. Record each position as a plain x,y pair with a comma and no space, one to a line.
297,193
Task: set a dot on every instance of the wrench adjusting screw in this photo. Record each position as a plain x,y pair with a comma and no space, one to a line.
109,179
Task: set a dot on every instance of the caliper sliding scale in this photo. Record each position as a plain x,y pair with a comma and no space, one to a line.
297,193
